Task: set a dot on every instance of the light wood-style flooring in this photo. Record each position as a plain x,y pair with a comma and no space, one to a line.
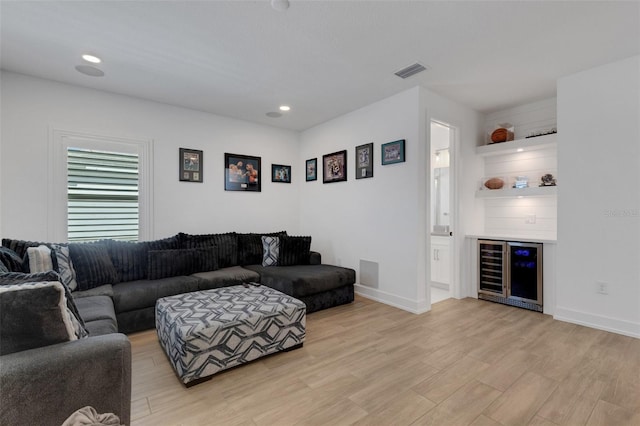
467,362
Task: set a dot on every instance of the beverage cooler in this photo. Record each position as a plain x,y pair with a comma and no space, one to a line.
510,273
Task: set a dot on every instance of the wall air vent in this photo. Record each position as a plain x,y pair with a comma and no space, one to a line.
410,70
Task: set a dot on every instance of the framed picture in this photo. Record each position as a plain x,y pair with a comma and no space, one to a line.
393,152
190,165
311,168
364,161
280,173
242,173
334,167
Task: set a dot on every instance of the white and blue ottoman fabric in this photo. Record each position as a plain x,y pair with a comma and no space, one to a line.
208,331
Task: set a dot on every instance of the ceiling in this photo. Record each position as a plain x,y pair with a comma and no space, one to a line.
242,59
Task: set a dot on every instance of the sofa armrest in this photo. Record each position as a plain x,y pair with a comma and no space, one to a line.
44,386
315,258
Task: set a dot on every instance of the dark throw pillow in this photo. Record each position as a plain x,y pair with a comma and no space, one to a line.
129,259
171,263
93,265
294,251
227,246
11,259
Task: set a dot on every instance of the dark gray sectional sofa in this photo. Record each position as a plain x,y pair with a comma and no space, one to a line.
118,286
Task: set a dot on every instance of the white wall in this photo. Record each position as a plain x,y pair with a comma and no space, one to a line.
599,198
382,219
31,107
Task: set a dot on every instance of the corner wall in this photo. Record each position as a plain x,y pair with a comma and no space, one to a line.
31,107
599,199
382,219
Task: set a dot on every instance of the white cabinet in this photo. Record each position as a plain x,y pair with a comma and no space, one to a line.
440,260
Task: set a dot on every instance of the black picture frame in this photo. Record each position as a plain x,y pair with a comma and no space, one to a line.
280,173
191,164
311,169
364,161
334,167
392,152
242,173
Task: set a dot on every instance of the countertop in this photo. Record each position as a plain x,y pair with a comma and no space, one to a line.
514,238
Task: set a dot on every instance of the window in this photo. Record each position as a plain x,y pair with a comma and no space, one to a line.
100,187
102,195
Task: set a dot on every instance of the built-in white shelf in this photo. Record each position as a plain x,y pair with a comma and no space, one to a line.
534,191
518,145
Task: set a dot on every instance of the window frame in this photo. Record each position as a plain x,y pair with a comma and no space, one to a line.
61,140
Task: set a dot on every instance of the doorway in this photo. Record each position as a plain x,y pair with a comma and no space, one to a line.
442,220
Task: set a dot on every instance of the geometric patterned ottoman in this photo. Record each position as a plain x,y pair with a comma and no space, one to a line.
208,331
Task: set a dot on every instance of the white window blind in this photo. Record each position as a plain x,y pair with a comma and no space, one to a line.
102,195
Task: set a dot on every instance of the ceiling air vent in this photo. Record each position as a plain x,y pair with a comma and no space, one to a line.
410,70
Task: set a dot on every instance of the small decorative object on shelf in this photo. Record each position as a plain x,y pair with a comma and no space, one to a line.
494,183
542,133
548,180
521,182
502,133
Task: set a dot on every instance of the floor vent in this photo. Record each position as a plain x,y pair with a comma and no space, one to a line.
369,273
410,70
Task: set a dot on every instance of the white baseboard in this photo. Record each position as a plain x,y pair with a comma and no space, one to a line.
442,286
600,322
413,306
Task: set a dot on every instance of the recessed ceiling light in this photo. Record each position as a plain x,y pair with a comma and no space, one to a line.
280,5
519,149
89,70
285,108
91,58
274,114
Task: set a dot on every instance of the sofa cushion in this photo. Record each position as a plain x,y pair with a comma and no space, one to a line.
98,314
11,259
34,314
226,277
14,278
294,251
129,259
141,294
227,246
170,243
93,265
206,259
103,290
250,247
170,263
96,308
64,266
270,251
102,327
304,280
